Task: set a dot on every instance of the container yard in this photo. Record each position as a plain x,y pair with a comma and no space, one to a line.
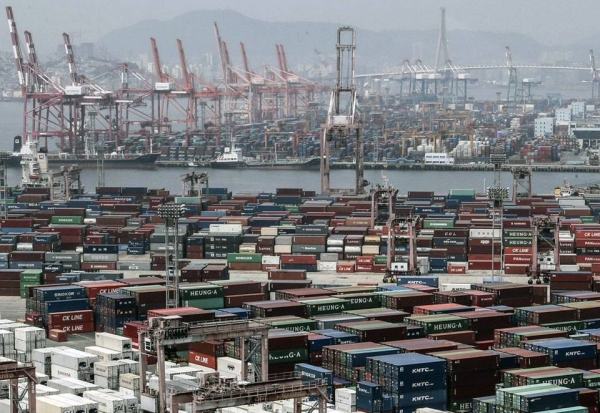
133,299
290,284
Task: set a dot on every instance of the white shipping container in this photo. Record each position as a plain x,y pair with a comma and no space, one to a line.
107,382
40,390
455,287
110,368
130,392
484,233
113,342
225,228
94,257
62,372
229,365
130,366
104,354
129,381
71,385
107,403
353,248
329,257
131,402
345,408
268,231
48,405
24,246
283,240
169,373
148,403
326,265
270,259
345,396
73,359
90,406
282,249
78,405
370,249
188,379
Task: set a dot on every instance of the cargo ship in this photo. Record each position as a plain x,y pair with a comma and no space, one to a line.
232,158
110,160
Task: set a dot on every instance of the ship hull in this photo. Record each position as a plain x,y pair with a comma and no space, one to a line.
280,165
227,164
141,161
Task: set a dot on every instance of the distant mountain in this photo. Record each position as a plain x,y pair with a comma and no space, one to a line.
375,50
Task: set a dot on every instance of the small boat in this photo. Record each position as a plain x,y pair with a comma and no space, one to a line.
230,158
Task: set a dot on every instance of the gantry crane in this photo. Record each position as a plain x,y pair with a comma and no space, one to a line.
169,331
542,265
191,180
401,227
343,121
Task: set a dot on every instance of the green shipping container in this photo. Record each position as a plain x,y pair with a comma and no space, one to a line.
566,325
518,233
237,257
591,381
588,219
439,323
66,220
188,200
296,324
438,224
292,208
516,242
380,259
205,303
288,356
462,192
367,300
570,379
325,306
200,291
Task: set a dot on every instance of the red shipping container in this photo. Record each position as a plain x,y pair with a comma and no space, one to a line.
518,250
345,267
516,269
484,265
57,335
365,259
70,317
582,259
587,234
72,328
298,259
586,243
517,259
202,359
112,266
364,268
456,269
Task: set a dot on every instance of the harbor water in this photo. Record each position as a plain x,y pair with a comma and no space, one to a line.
252,181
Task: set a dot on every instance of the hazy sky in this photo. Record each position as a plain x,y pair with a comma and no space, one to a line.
548,21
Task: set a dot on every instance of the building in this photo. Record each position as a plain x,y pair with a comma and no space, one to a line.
544,126
563,114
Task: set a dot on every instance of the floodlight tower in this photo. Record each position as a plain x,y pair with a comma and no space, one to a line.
171,213
497,194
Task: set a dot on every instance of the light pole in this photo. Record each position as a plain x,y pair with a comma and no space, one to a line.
4,157
171,213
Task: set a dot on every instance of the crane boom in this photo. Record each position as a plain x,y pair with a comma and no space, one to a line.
70,59
159,73
187,80
14,37
221,52
247,72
